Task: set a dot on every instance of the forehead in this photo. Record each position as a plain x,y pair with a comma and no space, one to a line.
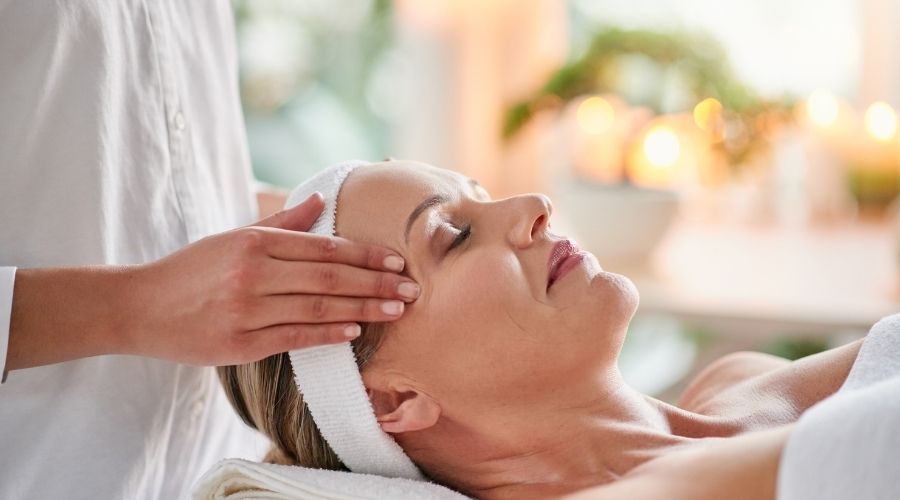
376,200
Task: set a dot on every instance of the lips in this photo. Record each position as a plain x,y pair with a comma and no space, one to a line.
564,256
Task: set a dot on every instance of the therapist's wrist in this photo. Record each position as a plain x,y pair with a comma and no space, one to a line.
60,314
133,317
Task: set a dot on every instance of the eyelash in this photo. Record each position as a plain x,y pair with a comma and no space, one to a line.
463,235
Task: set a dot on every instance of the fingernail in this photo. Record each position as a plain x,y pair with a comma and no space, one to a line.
352,331
408,290
392,307
393,263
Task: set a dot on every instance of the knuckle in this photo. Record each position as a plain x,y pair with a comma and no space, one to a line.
240,344
236,312
384,285
319,307
328,335
327,248
250,239
373,257
328,278
241,277
369,308
308,335
293,337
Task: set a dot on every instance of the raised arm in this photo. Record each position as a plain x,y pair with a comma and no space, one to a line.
230,298
738,468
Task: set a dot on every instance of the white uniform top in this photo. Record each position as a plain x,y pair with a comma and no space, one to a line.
121,140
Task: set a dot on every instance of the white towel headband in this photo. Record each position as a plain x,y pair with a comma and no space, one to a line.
328,376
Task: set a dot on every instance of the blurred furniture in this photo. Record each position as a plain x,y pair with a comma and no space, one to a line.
758,281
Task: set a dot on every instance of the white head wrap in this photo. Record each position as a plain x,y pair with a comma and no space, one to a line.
328,376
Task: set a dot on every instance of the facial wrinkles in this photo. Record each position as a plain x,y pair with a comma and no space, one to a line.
430,235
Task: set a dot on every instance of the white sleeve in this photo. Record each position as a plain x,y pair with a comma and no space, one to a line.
7,278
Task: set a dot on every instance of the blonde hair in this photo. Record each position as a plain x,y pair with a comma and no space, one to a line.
266,398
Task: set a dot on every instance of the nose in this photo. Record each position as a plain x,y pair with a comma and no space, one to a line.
531,218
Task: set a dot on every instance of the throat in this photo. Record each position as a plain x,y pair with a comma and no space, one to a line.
576,448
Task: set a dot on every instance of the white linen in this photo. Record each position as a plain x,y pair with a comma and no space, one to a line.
847,445
239,479
328,376
121,140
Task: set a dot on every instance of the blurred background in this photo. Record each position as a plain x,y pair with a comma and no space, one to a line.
739,161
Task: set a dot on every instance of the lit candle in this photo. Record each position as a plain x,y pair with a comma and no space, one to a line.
874,157
822,108
598,135
881,121
828,128
666,153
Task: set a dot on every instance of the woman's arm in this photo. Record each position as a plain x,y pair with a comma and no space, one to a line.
725,372
800,384
738,468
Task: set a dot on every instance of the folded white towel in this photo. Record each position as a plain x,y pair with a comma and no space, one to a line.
847,446
236,479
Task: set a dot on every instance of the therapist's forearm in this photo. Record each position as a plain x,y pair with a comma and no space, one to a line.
61,314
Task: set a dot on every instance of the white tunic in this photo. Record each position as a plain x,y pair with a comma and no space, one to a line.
121,140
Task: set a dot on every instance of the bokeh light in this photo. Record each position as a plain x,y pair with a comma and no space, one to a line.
706,113
595,115
881,121
662,147
822,108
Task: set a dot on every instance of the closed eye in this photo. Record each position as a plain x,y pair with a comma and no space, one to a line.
461,237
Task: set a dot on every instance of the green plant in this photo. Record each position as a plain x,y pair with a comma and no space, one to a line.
699,58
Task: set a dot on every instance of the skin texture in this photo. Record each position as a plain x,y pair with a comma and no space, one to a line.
229,298
503,388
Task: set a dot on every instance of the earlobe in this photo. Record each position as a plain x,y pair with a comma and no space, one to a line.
399,412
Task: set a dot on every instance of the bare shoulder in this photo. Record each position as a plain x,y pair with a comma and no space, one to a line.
744,467
725,372
799,383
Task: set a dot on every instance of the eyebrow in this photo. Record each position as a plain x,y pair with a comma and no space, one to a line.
429,202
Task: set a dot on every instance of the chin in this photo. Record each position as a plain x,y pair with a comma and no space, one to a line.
616,293
613,300
599,313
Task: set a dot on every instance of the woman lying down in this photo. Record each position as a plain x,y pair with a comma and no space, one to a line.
501,381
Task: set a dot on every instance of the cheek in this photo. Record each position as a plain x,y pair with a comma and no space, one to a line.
602,313
483,329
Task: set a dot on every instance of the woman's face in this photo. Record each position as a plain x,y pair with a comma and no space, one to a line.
486,331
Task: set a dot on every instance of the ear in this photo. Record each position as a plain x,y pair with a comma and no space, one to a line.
404,410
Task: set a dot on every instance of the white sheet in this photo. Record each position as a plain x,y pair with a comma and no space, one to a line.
240,479
848,446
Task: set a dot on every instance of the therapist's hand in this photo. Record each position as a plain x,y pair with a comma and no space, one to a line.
242,295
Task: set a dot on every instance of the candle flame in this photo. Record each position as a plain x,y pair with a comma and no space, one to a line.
822,108
881,121
662,147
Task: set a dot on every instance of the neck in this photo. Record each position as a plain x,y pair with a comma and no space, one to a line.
562,447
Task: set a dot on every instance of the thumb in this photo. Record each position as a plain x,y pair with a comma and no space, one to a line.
297,218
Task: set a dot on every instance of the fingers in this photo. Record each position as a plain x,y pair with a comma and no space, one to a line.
291,245
318,309
322,278
265,342
297,218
